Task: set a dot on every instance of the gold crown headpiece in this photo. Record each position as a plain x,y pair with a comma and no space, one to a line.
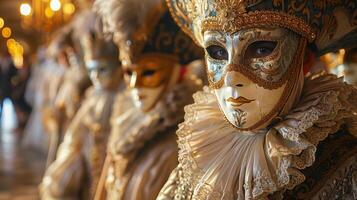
330,25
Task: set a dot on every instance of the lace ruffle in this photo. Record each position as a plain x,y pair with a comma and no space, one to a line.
217,160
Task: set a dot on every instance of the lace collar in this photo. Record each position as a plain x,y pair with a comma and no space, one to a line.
218,162
134,127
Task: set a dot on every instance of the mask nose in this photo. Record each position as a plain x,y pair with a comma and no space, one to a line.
94,75
235,79
133,80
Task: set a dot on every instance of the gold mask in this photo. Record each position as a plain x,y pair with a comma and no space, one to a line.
150,71
149,77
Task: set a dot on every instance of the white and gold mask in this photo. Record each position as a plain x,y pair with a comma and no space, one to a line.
100,58
103,73
253,72
255,50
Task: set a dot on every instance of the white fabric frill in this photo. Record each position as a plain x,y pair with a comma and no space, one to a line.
222,163
133,127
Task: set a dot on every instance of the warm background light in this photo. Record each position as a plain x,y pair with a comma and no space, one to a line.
2,23
10,42
25,9
333,60
69,8
16,51
55,5
49,12
6,32
46,15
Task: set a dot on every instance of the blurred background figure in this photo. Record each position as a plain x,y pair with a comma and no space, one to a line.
19,82
7,72
350,72
13,83
342,63
38,90
81,154
30,81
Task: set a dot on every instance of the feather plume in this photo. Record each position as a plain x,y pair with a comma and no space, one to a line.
60,40
84,23
123,17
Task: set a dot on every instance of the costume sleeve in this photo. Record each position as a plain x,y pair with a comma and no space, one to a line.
64,176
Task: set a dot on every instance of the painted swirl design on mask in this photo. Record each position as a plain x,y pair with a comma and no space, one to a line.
270,71
274,67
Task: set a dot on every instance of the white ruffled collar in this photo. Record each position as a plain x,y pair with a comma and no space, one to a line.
133,128
221,163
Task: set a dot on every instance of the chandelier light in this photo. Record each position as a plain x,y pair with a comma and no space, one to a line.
45,16
25,9
55,5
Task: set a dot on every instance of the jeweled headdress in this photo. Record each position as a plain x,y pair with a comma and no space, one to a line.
328,24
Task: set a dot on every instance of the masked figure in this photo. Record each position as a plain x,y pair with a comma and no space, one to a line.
142,148
264,128
76,171
75,82
41,92
53,117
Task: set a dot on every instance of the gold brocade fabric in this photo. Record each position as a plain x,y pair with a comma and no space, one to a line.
216,161
142,145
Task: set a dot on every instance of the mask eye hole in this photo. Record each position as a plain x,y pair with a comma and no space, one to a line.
217,52
128,72
101,70
149,72
260,49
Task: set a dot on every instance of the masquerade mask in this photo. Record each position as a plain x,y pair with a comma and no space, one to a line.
100,60
148,78
103,74
253,72
253,66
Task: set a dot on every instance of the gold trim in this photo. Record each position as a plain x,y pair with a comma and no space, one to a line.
248,72
233,19
184,28
259,18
